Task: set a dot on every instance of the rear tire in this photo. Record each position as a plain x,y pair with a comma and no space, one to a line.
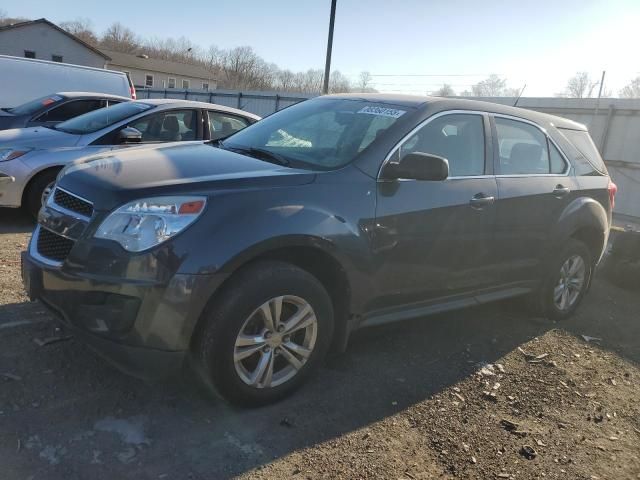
567,280
250,361
36,190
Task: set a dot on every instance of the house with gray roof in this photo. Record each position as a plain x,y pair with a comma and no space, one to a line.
146,72
45,40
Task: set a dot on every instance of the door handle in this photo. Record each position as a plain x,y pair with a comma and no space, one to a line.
561,191
481,200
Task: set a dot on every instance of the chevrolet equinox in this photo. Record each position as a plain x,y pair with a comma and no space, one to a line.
254,255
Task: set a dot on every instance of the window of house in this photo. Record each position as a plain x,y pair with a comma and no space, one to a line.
148,81
205,86
56,58
29,54
523,148
172,82
186,83
457,137
222,125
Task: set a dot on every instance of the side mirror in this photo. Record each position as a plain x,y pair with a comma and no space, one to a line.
418,166
129,135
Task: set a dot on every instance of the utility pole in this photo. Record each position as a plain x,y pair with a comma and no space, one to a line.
595,114
327,65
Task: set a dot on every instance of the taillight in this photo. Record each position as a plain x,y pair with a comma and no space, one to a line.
613,189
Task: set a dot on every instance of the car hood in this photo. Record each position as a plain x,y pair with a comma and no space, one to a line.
37,137
111,179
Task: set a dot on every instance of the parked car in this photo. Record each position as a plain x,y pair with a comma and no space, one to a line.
254,258
24,79
30,158
52,109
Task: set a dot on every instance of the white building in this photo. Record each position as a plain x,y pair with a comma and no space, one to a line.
44,40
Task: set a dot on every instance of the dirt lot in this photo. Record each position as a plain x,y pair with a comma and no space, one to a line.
482,393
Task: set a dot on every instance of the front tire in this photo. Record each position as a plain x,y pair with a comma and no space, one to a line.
37,191
267,331
567,280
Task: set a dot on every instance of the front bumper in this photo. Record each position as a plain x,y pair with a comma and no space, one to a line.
142,327
13,177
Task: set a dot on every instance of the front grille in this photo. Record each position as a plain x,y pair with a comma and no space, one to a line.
73,203
53,246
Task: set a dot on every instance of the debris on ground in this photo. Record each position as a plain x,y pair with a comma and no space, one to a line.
528,452
588,339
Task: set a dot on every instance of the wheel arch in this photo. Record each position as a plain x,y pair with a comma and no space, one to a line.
34,175
316,256
585,220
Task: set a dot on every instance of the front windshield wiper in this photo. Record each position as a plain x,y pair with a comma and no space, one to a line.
261,154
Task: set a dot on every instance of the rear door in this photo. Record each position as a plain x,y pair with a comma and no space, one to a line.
534,188
435,239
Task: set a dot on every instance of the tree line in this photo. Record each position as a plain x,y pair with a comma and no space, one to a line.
241,68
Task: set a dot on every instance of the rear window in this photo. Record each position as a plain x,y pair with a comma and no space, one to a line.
35,105
584,148
102,118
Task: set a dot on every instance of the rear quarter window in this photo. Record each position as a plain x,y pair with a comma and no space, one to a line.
584,149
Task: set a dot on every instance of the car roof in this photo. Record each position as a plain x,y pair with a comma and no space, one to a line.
91,94
173,103
449,103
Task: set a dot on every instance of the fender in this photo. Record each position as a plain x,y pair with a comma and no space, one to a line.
582,212
240,233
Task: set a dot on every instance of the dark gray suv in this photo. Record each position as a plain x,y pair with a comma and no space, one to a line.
253,256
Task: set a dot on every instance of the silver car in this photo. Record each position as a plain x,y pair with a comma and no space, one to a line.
30,158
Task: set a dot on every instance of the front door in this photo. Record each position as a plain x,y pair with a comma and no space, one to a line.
435,239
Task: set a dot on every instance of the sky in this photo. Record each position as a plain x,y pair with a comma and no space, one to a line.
410,46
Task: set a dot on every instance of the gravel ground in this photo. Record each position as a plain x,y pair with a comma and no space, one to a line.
482,393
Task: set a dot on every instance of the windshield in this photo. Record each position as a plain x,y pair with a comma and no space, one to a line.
35,105
101,118
322,133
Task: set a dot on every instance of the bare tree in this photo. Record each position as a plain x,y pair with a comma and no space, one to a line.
364,81
580,86
338,83
120,38
174,49
285,80
493,86
5,19
632,90
81,28
445,91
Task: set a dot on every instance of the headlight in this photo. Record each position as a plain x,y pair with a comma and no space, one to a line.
11,153
145,223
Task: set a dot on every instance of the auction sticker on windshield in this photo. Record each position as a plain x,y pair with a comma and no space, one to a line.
382,111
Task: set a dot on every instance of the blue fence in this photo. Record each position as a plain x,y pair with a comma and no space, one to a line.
260,103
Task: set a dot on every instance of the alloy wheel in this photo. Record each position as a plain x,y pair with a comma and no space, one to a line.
572,280
275,342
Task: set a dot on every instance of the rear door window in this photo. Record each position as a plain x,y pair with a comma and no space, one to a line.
71,109
222,125
522,148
